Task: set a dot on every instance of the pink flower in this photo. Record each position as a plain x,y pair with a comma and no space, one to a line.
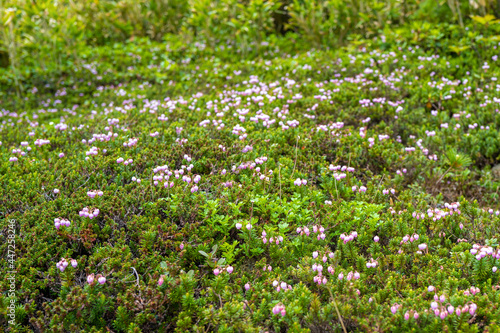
90,279
229,269
101,280
160,281
279,309
216,271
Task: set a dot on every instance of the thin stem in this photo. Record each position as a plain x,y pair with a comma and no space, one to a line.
337,191
337,309
279,174
444,174
296,147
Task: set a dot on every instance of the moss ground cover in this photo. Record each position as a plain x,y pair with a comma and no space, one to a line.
164,186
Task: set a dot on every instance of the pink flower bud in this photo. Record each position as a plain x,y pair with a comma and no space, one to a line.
160,281
229,269
216,271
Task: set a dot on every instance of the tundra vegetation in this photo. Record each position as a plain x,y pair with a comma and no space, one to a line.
250,166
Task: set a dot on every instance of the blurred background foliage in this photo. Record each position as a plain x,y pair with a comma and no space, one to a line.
47,35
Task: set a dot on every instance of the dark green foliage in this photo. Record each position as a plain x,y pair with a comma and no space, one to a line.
158,246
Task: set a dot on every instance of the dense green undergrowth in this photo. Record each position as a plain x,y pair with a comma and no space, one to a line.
276,187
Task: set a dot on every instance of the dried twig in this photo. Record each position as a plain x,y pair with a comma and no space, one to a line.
137,275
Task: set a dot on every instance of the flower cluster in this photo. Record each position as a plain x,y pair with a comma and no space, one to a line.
300,182
63,263
272,240
349,238
100,279
58,222
279,309
92,194
483,251
86,212
228,269
442,311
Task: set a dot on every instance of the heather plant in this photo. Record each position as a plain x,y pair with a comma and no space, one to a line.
227,178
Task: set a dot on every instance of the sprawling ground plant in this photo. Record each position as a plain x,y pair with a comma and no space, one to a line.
165,186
